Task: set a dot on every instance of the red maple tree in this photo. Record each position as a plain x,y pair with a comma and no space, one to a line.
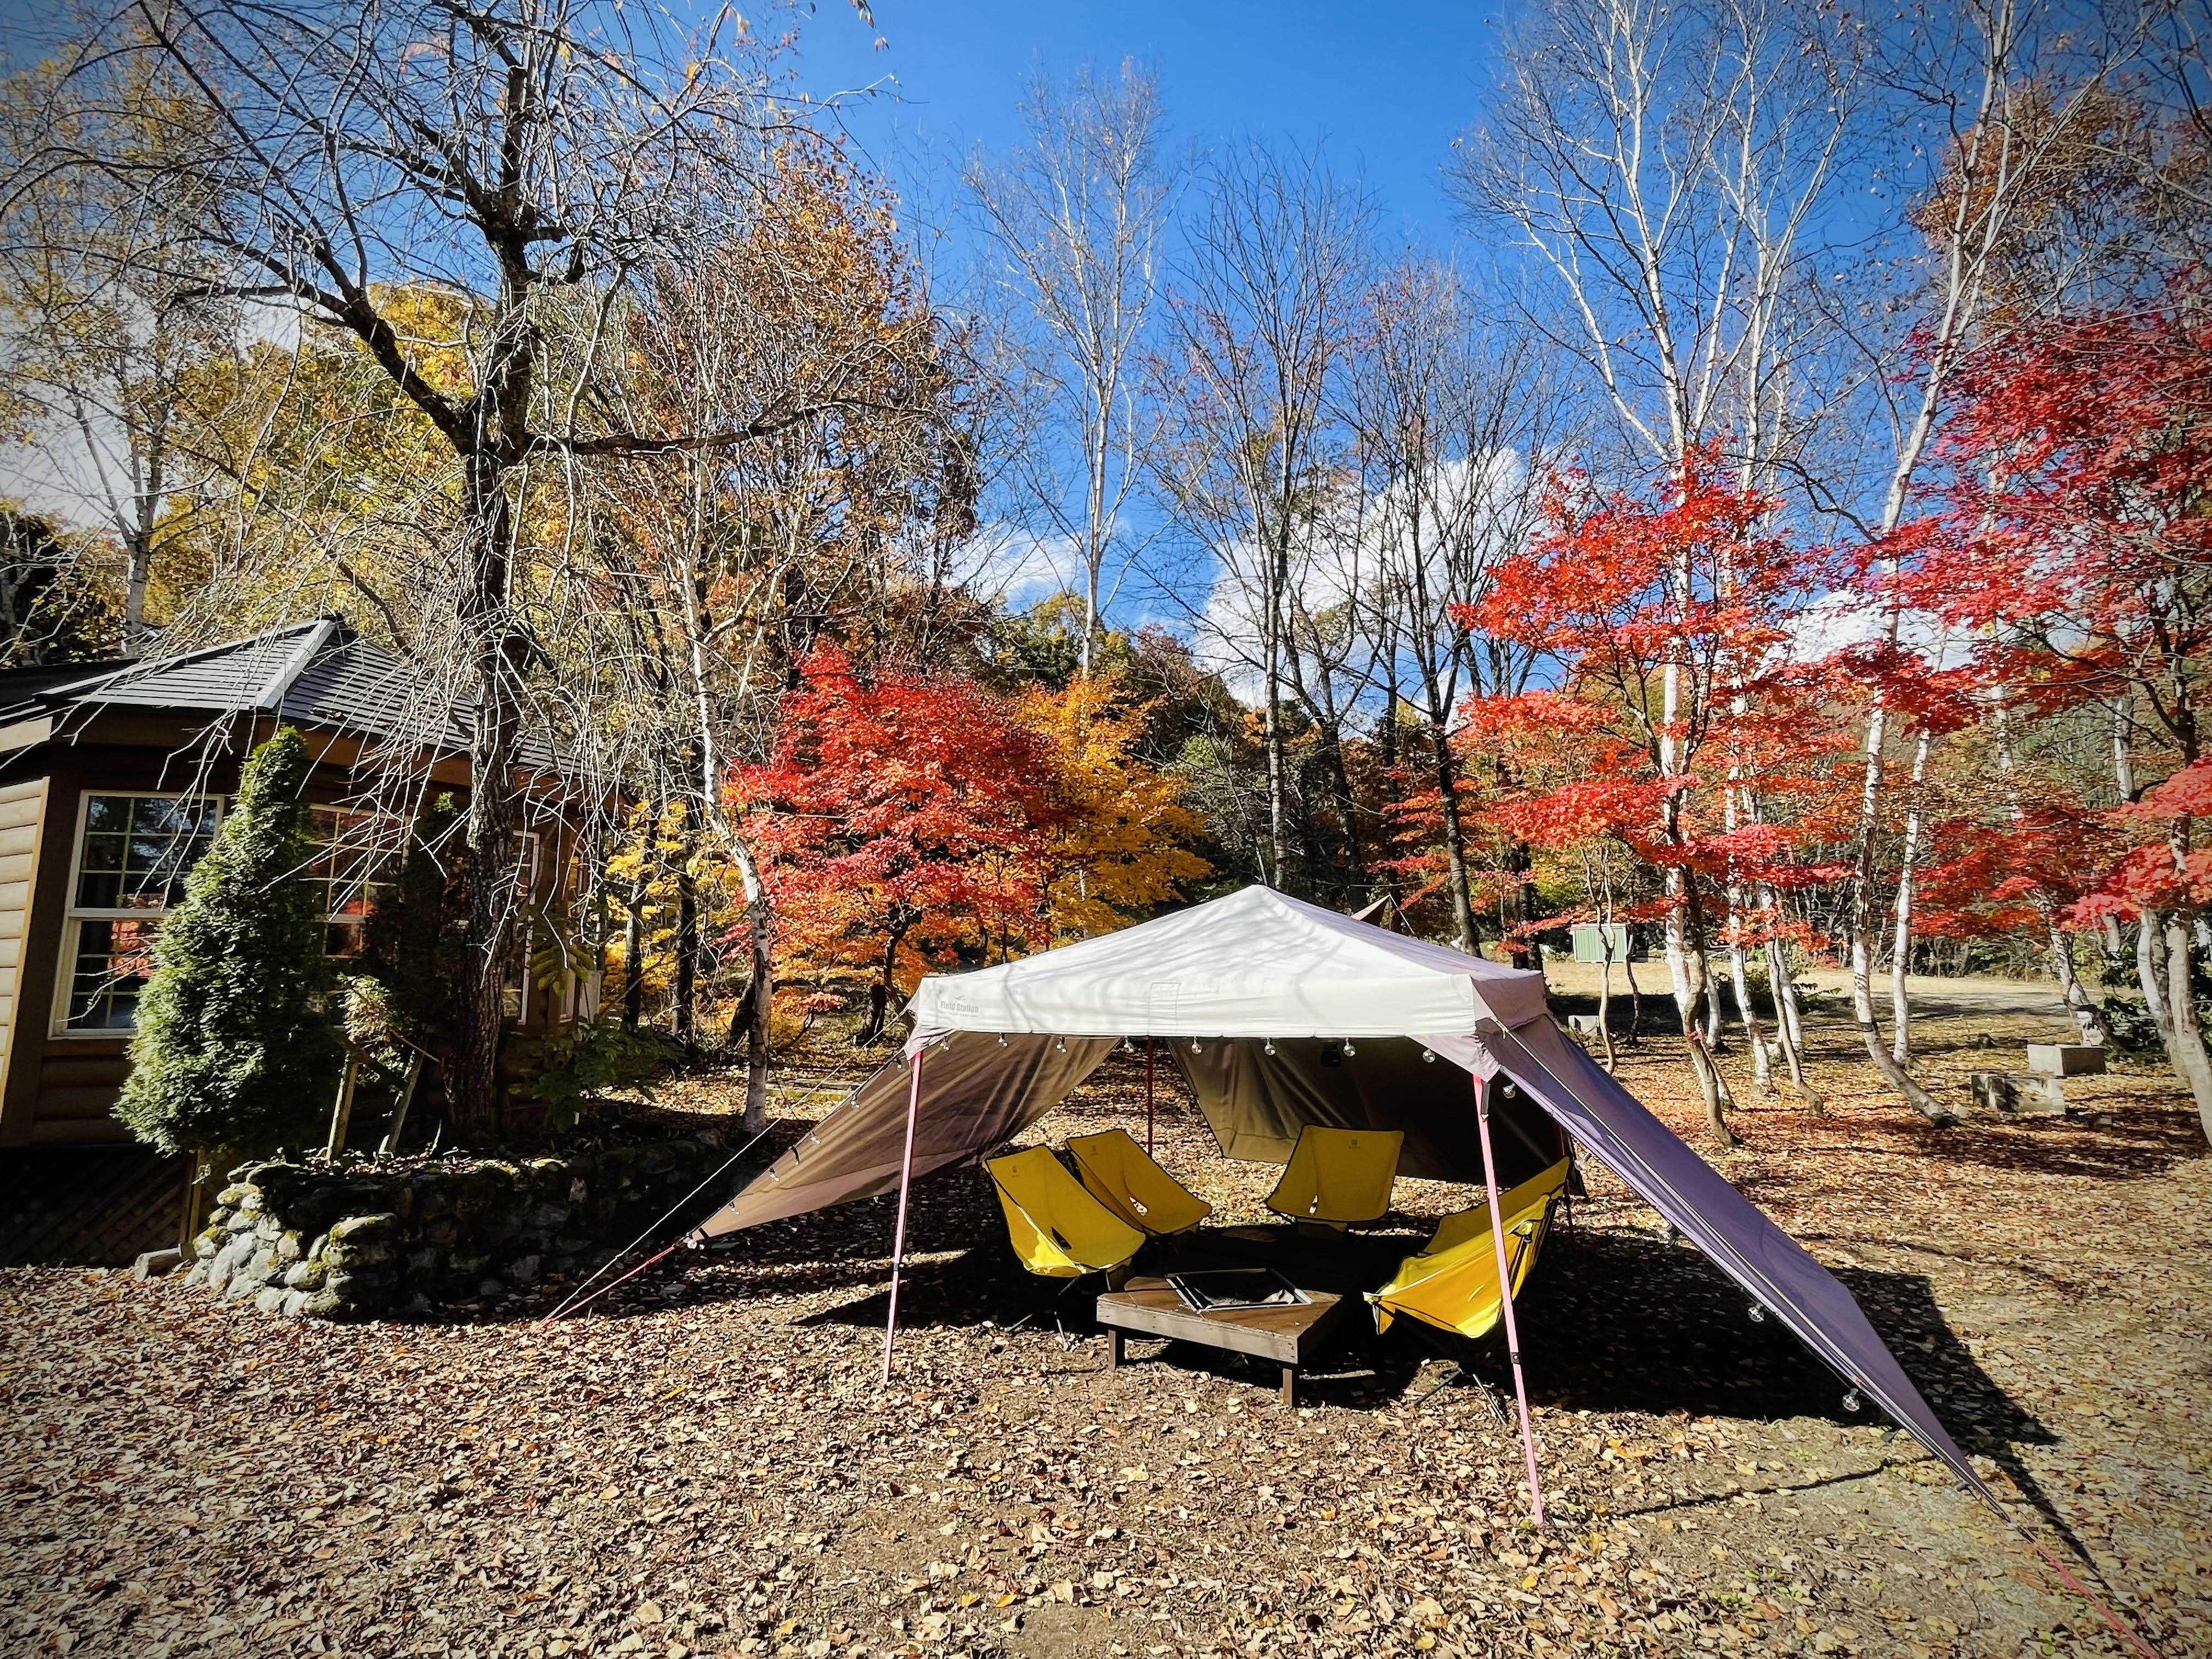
1665,622
901,820
2078,558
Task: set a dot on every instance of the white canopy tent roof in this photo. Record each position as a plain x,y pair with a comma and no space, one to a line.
996,1049
1254,964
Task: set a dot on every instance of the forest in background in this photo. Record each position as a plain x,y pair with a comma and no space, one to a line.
1778,524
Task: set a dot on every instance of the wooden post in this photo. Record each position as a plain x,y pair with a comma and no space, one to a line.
342,1114
1505,1295
390,1142
898,1236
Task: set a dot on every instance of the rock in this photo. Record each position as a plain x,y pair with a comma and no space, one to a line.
233,1256
295,1303
524,1270
241,1222
2015,1094
241,1287
323,1304
2065,1059
289,1248
491,1288
362,1228
306,1275
231,1197
198,1275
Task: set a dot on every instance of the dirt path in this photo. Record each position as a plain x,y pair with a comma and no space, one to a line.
707,1464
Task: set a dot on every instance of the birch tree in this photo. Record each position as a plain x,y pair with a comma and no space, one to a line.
1077,218
1664,169
1260,324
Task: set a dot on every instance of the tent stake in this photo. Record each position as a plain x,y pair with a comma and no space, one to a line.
1148,1097
1505,1295
898,1238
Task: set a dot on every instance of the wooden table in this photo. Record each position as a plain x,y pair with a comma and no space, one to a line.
1150,1307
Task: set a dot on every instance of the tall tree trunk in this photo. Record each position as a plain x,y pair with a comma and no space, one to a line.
1446,770
686,952
2086,1014
2150,951
1788,1022
1605,996
1900,956
476,1101
633,997
1754,1031
2191,1060
1861,931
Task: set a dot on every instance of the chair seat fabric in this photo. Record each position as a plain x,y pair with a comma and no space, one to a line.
1058,1230
1120,1175
1453,1283
1337,1176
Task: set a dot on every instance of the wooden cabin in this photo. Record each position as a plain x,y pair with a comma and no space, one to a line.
113,778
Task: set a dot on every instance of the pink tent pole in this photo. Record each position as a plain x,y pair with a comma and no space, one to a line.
1148,1097
898,1239
1505,1291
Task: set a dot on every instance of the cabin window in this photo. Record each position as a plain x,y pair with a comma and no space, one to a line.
132,854
357,857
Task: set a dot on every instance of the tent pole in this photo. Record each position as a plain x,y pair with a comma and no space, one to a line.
898,1238
1148,1097
1505,1295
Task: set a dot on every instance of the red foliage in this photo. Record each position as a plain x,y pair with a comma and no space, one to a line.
1622,592
2078,554
901,819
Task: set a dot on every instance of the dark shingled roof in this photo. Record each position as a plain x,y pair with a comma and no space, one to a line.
316,673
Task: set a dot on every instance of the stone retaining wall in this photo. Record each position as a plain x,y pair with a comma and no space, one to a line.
355,1244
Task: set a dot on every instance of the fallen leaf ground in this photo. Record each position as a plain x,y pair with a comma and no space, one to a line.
705,1462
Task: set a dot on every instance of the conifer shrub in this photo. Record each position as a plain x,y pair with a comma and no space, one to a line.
234,1050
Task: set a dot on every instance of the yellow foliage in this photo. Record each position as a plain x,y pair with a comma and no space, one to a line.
1124,846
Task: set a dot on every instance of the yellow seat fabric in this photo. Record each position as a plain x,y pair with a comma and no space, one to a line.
1336,1176
1121,1176
1058,1230
1453,1283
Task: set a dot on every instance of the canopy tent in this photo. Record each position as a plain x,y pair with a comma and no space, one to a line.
1260,994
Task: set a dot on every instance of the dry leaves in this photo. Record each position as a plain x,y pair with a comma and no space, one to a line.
705,1463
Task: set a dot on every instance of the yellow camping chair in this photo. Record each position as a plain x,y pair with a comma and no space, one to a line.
1453,1283
1121,1176
1058,1230
1336,1176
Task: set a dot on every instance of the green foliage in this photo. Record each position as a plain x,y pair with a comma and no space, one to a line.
233,1048
585,1060
55,602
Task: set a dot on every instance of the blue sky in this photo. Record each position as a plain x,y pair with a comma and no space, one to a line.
1384,88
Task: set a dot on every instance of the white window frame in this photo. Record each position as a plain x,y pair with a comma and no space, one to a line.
369,888
73,916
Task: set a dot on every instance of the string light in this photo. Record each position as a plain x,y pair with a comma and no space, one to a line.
1193,1045
1270,1049
1002,1039
1428,1057
1348,1050
1063,1045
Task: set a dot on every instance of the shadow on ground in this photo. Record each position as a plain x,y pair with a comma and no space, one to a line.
1616,1319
